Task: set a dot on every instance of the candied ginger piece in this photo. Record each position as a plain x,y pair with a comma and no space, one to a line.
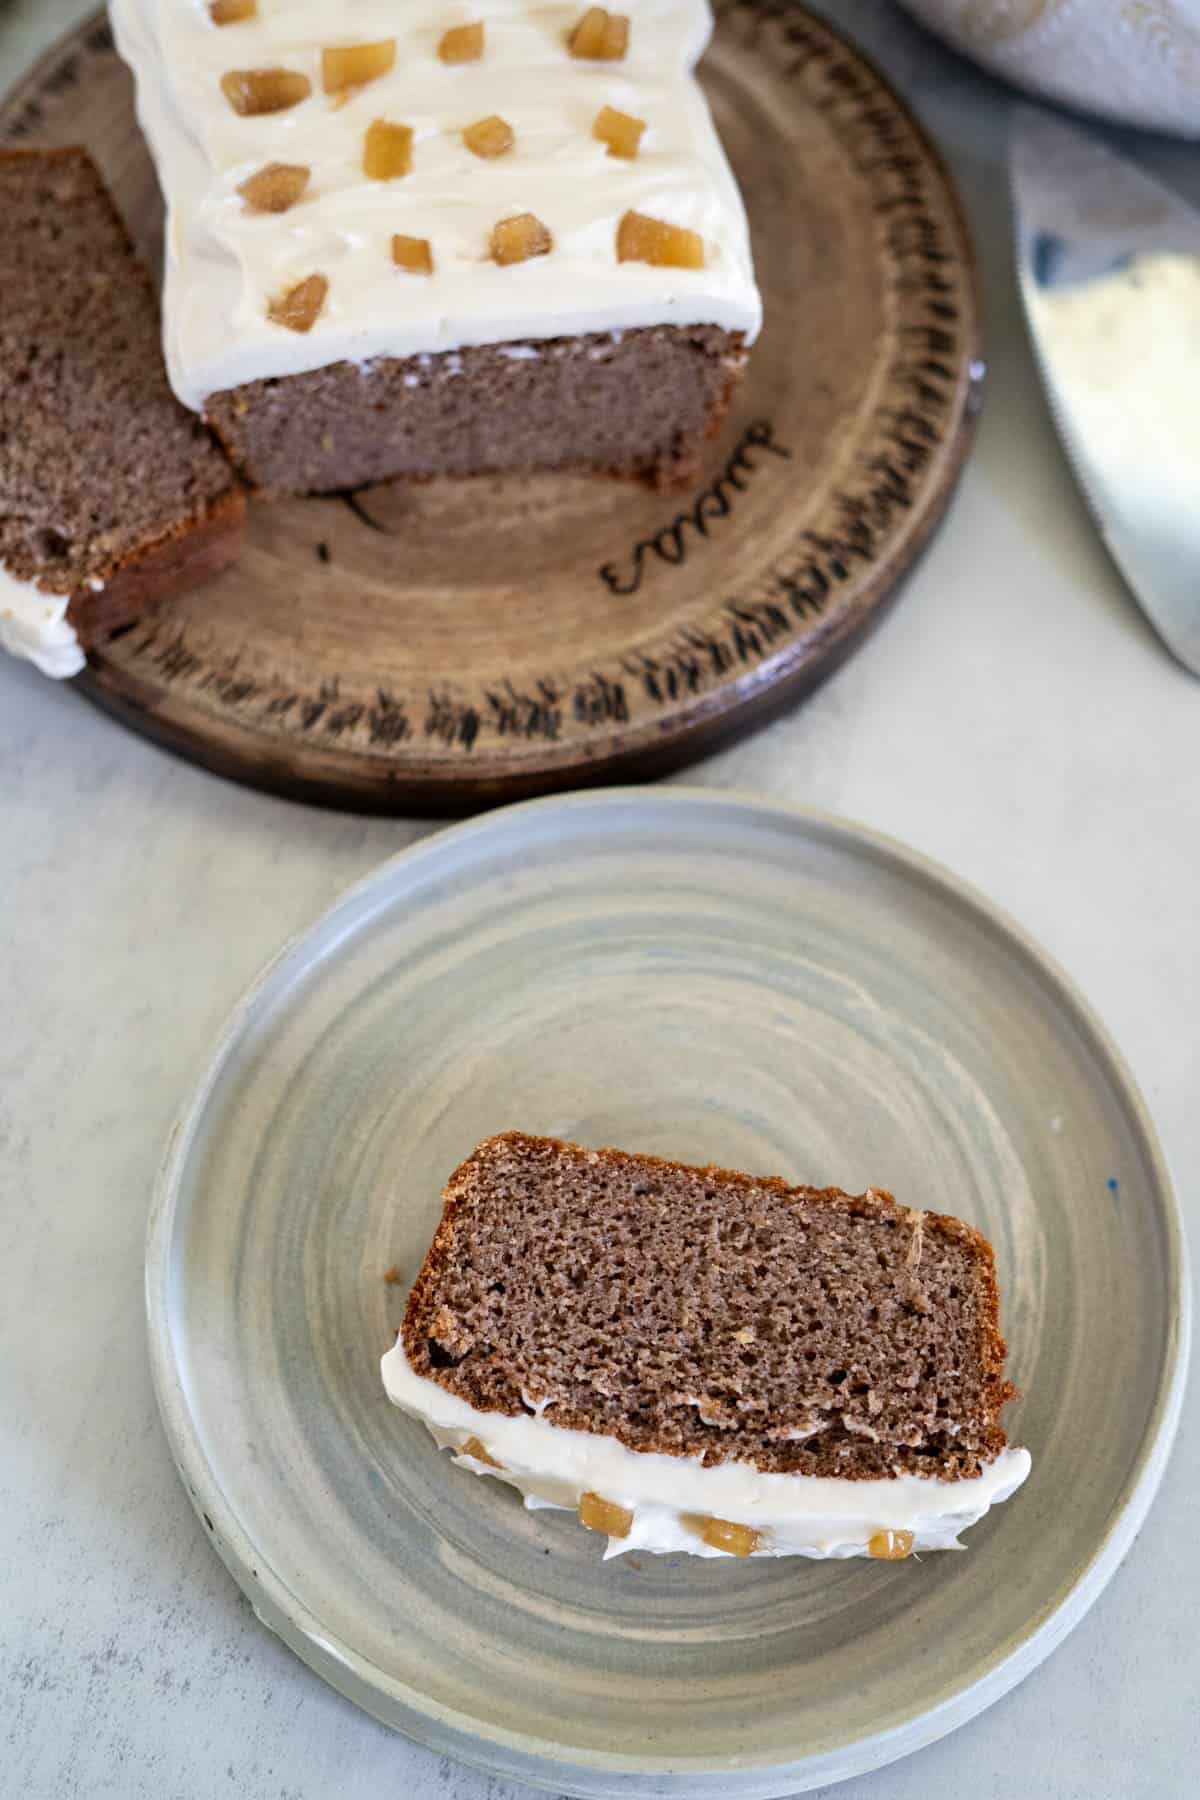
300,307
642,239
489,137
232,12
473,1448
387,150
603,1515
600,36
516,239
353,65
724,1534
412,253
620,131
462,43
274,188
254,91
891,1546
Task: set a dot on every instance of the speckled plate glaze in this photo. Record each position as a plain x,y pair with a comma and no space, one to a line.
710,978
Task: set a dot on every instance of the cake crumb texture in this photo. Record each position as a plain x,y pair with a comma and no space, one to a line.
636,403
699,1312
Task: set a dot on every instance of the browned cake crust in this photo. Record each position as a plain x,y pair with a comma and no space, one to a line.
701,1312
110,491
637,403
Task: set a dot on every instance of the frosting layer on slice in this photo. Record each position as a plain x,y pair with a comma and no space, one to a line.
671,1499
34,625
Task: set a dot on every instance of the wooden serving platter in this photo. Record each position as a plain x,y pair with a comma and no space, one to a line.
450,645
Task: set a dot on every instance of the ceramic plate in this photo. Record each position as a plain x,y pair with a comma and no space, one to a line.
703,977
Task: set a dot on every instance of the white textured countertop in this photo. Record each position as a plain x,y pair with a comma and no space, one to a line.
1013,717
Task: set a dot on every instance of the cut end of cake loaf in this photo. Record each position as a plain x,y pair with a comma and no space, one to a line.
636,403
702,1313
112,495
584,303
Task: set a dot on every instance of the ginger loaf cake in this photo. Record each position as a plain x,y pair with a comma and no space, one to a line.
697,1360
112,495
440,239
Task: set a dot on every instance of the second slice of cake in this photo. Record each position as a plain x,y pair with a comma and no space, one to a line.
112,497
430,240
696,1360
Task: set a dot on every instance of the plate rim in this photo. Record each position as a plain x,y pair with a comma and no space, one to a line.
541,1762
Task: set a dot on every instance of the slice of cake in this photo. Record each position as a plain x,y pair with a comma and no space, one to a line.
702,1361
428,240
112,495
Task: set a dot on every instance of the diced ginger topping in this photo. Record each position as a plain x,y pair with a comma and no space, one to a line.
600,36
473,1448
462,43
620,131
724,1534
300,307
254,91
413,254
517,239
642,239
489,137
232,12
605,1515
387,150
891,1546
274,188
353,65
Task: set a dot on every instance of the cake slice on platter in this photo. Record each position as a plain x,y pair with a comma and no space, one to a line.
697,1360
112,495
425,240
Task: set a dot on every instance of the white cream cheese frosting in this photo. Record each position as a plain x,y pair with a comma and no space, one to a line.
224,265
34,625
794,1515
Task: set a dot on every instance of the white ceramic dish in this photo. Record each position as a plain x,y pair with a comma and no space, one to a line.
704,976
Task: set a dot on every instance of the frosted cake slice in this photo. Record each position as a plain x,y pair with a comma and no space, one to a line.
696,1360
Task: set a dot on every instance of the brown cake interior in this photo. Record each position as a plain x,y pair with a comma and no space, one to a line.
705,1313
634,403
104,477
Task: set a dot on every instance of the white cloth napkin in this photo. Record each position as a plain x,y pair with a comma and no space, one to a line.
1137,61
